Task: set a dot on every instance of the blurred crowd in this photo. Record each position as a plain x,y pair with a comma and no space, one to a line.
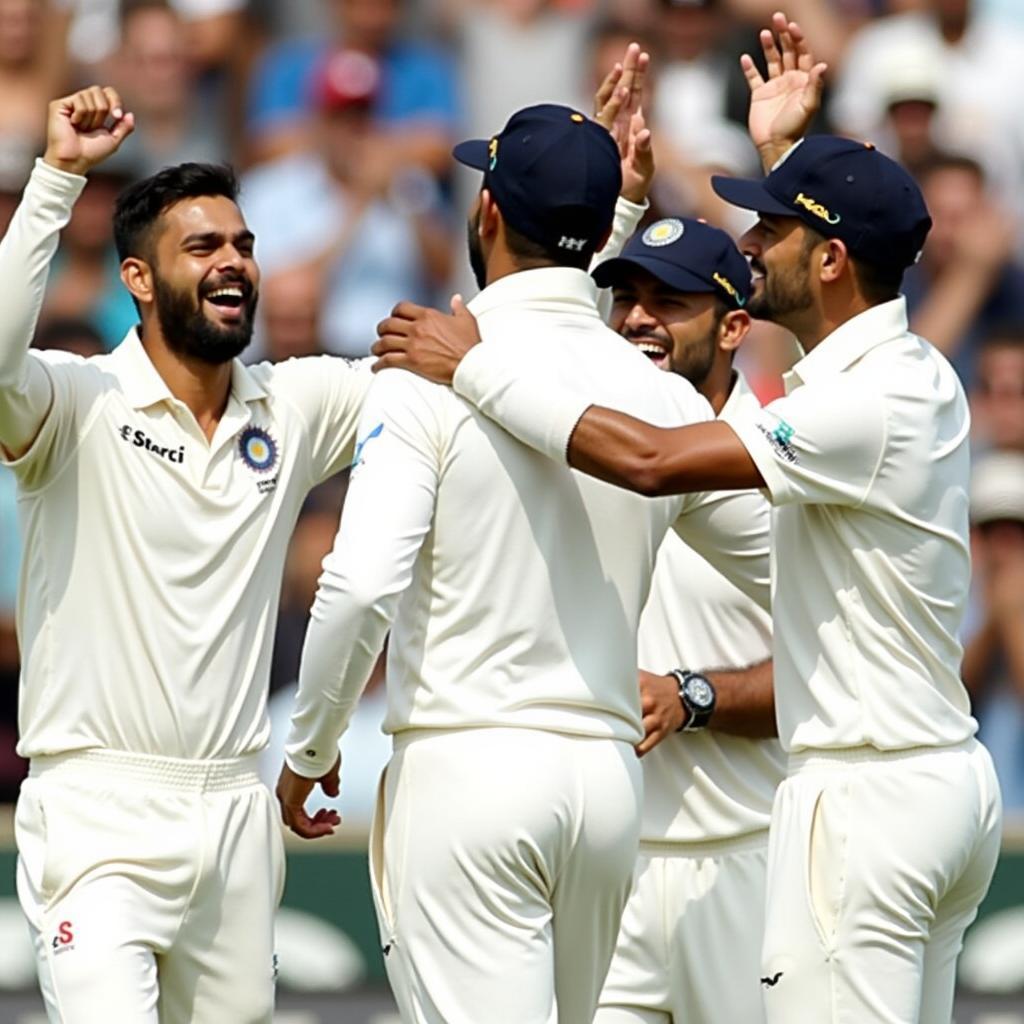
341,114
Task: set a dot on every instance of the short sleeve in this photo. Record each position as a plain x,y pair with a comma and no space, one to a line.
821,444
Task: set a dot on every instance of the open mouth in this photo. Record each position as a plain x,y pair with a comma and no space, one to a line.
654,350
229,300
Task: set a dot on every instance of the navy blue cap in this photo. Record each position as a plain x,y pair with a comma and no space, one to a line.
845,190
554,174
685,254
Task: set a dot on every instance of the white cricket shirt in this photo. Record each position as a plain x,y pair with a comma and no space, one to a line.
706,785
866,461
515,584
867,466
152,557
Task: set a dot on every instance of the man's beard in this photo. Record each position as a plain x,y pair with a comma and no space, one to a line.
188,332
696,360
476,252
782,293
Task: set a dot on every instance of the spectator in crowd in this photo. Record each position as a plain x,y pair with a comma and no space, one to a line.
85,276
979,57
32,69
993,666
415,107
290,304
967,281
157,78
93,29
78,337
368,233
997,395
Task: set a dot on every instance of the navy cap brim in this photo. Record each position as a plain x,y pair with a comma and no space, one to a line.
472,153
750,194
607,274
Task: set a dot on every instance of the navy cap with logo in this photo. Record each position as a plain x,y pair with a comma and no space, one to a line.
687,255
554,174
846,190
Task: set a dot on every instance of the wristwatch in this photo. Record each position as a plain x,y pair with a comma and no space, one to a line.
697,696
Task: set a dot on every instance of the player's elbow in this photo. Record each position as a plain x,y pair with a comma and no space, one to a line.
646,473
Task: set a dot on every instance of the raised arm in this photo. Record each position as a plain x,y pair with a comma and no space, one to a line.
82,130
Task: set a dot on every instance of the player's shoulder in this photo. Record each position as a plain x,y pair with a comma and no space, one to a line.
301,374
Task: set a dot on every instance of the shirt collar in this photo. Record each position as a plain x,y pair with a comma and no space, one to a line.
144,387
556,289
849,341
739,394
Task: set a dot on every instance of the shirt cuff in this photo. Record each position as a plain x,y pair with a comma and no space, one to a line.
527,407
55,182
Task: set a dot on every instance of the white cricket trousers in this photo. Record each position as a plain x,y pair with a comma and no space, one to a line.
689,951
877,862
150,886
501,860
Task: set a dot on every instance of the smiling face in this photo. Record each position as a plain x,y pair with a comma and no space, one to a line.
204,279
677,331
779,250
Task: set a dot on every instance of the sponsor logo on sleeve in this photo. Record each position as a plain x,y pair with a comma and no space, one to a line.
780,437
361,445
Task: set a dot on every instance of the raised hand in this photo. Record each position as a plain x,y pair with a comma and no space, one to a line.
83,129
781,107
617,107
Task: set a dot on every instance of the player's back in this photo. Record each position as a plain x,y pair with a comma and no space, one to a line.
528,589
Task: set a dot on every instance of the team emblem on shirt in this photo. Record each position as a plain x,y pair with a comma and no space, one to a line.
258,449
663,232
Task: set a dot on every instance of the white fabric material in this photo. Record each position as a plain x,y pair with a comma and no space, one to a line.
150,893
152,558
689,949
866,464
876,865
515,584
25,254
500,861
706,785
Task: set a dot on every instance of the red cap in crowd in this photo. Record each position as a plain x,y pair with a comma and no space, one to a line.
346,79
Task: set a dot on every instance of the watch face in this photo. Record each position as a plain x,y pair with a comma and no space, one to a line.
699,692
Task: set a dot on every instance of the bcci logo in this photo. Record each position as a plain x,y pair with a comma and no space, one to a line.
258,449
663,232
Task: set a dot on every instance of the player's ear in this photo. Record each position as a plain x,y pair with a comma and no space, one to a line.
490,215
137,276
833,261
732,329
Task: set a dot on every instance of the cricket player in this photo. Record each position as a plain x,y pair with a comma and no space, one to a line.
158,487
680,290
885,832
504,842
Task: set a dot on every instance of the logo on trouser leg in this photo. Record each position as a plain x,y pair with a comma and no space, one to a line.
274,966
773,981
64,940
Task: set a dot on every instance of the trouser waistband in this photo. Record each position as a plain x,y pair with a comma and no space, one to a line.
705,847
823,758
132,769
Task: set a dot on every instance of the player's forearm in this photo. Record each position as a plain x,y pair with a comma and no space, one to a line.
25,255
655,461
978,654
345,637
744,702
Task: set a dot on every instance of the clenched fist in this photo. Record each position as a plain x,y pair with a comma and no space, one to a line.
83,129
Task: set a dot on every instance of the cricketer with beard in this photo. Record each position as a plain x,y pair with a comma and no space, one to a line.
158,488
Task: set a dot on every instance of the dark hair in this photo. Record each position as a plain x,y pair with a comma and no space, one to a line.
140,205
615,28
878,284
68,333
129,8
527,252
1007,335
942,161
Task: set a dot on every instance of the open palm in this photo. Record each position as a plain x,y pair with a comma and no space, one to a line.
783,104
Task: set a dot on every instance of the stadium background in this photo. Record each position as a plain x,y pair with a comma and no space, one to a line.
340,114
